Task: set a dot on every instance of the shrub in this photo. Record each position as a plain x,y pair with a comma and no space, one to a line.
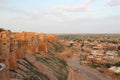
107,65
117,64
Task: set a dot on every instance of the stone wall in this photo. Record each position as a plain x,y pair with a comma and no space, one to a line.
14,46
4,54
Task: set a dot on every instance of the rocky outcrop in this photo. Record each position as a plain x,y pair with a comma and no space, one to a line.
39,67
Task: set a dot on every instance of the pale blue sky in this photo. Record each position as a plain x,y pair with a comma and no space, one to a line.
61,16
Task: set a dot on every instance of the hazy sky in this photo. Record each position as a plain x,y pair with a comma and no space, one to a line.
61,16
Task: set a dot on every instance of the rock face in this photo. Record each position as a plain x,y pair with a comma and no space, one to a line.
39,67
28,56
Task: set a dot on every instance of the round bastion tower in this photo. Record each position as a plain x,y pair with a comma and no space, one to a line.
4,54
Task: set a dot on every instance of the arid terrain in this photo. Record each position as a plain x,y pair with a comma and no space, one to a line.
59,39
39,56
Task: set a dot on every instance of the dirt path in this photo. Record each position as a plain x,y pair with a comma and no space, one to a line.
79,72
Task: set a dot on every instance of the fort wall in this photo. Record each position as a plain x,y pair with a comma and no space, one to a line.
14,46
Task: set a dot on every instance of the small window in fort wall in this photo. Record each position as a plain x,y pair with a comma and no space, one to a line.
14,40
4,43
